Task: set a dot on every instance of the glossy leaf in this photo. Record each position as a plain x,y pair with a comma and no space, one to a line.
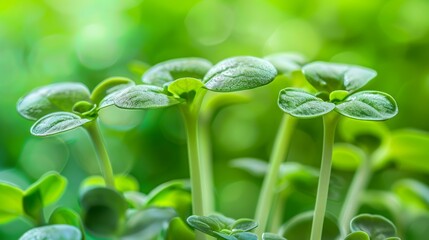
171,70
108,86
328,77
103,211
244,224
377,227
144,97
413,193
286,63
51,187
177,229
301,104
239,73
347,157
185,88
368,105
57,122
272,236
53,232
359,235
52,98
147,223
10,202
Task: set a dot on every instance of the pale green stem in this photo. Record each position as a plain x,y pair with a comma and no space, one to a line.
278,209
329,125
206,157
100,149
280,149
351,203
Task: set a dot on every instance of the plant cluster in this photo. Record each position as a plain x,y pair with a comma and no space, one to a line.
112,206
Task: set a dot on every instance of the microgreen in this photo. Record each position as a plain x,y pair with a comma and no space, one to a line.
339,82
53,232
372,227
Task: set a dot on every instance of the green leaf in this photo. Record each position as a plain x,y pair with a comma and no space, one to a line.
103,211
272,236
359,235
301,104
204,224
413,194
185,88
347,157
144,97
56,123
239,73
299,177
67,216
85,109
147,223
53,232
10,202
177,229
135,199
377,227
286,63
338,96
244,224
51,187
328,77
256,167
171,70
52,98
123,183
245,236
109,86
368,105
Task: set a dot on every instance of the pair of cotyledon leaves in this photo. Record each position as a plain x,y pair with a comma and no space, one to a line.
337,84
65,106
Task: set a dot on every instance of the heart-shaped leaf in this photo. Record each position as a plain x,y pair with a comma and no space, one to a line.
239,73
359,235
171,70
177,229
53,232
144,97
368,105
272,236
377,227
328,77
10,202
103,211
108,86
52,98
57,122
186,88
301,104
286,63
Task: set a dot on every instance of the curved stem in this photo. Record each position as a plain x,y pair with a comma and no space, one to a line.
351,203
329,125
280,148
100,149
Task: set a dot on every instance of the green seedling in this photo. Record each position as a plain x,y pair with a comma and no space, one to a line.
64,106
371,227
337,84
184,82
53,232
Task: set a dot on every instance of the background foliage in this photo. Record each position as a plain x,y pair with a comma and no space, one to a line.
49,41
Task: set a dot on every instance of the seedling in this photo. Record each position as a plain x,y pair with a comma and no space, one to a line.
337,84
371,227
185,82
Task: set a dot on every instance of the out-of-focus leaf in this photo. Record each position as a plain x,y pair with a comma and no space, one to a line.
256,167
347,157
135,199
377,227
418,228
123,183
56,123
359,235
171,70
51,187
239,73
109,86
286,63
185,88
53,232
52,98
413,194
272,236
301,104
177,229
10,202
144,97
67,216
368,105
328,77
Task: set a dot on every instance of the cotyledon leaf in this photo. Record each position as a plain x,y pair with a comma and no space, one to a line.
109,86
10,202
53,232
57,122
239,73
144,97
52,98
301,104
286,62
171,70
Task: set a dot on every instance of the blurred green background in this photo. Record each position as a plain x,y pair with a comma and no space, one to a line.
47,41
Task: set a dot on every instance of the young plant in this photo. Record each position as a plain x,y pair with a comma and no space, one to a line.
371,227
185,82
61,107
337,84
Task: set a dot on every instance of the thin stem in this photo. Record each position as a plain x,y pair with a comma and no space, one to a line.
100,149
207,166
280,148
351,203
329,125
